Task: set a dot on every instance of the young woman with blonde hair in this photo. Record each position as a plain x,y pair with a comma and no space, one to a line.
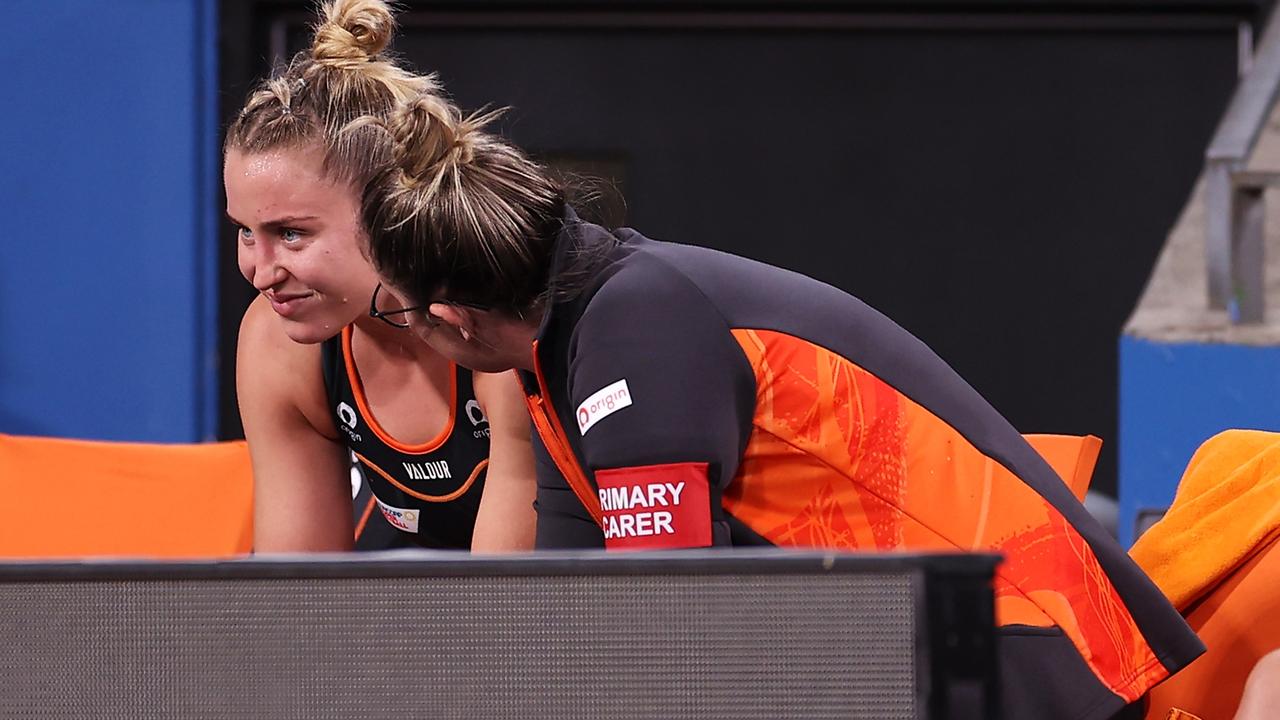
685,397
445,451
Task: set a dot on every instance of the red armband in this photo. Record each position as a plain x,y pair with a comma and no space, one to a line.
655,506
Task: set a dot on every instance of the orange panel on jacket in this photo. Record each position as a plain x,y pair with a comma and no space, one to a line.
840,459
1073,457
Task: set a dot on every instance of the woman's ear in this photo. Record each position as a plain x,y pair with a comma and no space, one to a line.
459,317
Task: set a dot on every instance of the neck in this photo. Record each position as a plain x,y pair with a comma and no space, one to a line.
525,332
392,341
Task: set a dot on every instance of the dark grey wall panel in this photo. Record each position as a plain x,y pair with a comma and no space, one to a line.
998,176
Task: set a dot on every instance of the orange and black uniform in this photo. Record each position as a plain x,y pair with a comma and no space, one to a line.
425,495
687,397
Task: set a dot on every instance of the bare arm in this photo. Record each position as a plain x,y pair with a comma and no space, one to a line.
301,485
505,522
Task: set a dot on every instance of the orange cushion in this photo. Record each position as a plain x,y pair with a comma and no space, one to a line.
82,498
78,498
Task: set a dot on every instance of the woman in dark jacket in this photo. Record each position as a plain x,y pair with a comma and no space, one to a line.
685,397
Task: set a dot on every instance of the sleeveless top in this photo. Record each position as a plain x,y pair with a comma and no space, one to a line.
429,492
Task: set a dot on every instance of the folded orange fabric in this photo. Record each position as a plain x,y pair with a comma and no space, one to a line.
1226,508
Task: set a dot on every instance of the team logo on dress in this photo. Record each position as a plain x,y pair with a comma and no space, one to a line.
429,470
476,415
348,417
404,519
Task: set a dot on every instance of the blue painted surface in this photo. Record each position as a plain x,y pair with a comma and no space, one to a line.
108,174
1173,397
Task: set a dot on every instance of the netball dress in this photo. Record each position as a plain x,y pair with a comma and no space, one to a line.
429,493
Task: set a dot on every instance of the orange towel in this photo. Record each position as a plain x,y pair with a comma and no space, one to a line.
1227,507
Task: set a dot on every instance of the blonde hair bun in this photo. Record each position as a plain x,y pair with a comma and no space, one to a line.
429,138
352,32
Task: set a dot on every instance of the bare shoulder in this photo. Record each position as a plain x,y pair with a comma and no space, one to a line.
302,495
261,332
505,521
497,392
274,371
265,352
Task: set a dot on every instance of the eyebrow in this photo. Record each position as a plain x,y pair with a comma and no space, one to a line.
277,222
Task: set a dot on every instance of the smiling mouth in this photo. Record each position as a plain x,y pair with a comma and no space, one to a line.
287,305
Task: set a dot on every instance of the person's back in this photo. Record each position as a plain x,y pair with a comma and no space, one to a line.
804,418
685,398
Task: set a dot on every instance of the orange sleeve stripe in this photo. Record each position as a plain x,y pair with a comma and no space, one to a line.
557,443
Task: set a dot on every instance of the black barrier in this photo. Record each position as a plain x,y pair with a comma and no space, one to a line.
707,634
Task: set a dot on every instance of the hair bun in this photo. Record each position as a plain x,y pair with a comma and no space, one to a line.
352,31
429,136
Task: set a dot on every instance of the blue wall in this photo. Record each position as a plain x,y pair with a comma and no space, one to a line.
1173,397
107,200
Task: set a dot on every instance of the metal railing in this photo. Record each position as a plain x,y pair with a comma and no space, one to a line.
1234,196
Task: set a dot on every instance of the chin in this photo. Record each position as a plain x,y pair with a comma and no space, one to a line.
479,363
309,333
488,365
468,357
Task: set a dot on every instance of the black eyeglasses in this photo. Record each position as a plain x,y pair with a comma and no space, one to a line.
386,316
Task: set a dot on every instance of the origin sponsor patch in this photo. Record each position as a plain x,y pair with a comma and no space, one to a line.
655,506
406,520
607,401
